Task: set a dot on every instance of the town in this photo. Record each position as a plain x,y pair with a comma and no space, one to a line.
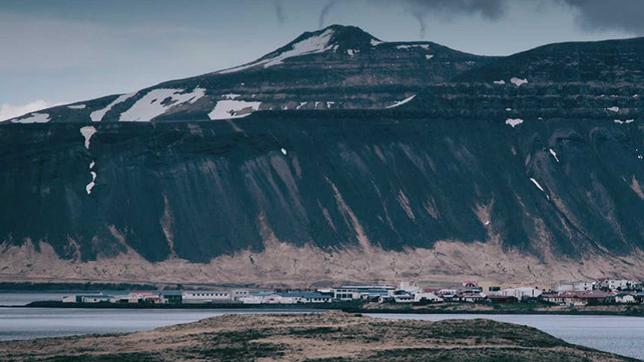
580,293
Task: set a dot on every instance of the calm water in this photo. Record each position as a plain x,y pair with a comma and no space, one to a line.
616,334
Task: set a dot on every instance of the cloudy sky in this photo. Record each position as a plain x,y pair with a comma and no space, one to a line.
58,51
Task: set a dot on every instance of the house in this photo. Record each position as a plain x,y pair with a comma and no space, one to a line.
86,298
356,292
471,297
620,284
236,294
520,293
171,297
138,298
579,298
306,296
426,296
448,295
206,296
403,296
290,297
582,286
625,298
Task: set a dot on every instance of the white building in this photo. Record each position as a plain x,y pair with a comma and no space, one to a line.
620,284
206,296
427,297
625,298
520,293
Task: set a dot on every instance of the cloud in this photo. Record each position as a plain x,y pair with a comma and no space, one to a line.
8,111
279,11
421,9
325,12
597,15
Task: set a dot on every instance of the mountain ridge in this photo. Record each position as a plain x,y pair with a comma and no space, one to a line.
394,165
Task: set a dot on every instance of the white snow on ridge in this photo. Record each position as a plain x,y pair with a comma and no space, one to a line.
537,184
231,96
33,118
158,101
613,109
429,56
97,116
618,121
91,184
311,45
87,132
554,154
499,82
513,122
630,121
283,151
411,46
518,81
77,106
375,42
302,104
400,103
228,109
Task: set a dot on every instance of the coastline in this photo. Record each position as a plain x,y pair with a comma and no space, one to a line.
358,308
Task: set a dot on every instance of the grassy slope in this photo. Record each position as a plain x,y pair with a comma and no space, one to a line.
330,336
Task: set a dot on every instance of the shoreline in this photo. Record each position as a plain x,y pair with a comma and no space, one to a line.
601,310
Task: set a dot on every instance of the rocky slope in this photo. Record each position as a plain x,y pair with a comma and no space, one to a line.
361,160
329,336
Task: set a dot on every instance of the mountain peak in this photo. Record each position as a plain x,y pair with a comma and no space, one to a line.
337,38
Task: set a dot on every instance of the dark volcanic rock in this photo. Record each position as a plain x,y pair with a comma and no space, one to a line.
551,165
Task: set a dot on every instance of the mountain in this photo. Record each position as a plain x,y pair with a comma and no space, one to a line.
339,157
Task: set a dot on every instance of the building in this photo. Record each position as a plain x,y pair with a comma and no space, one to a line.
171,297
578,298
625,298
356,292
620,284
86,298
206,296
427,297
520,293
582,286
236,294
306,296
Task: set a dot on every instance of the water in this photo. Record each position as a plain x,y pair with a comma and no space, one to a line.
22,298
616,334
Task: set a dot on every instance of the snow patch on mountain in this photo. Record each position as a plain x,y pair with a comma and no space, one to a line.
613,109
412,46
228,109
513,122
33,118
98,115
518,81
554,154
499,82
311,45
87,132
400,103
158,101
90,186
77,106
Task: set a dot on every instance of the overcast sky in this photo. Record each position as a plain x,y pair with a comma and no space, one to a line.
58,51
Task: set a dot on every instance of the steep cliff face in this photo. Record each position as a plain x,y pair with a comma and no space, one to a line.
409,156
